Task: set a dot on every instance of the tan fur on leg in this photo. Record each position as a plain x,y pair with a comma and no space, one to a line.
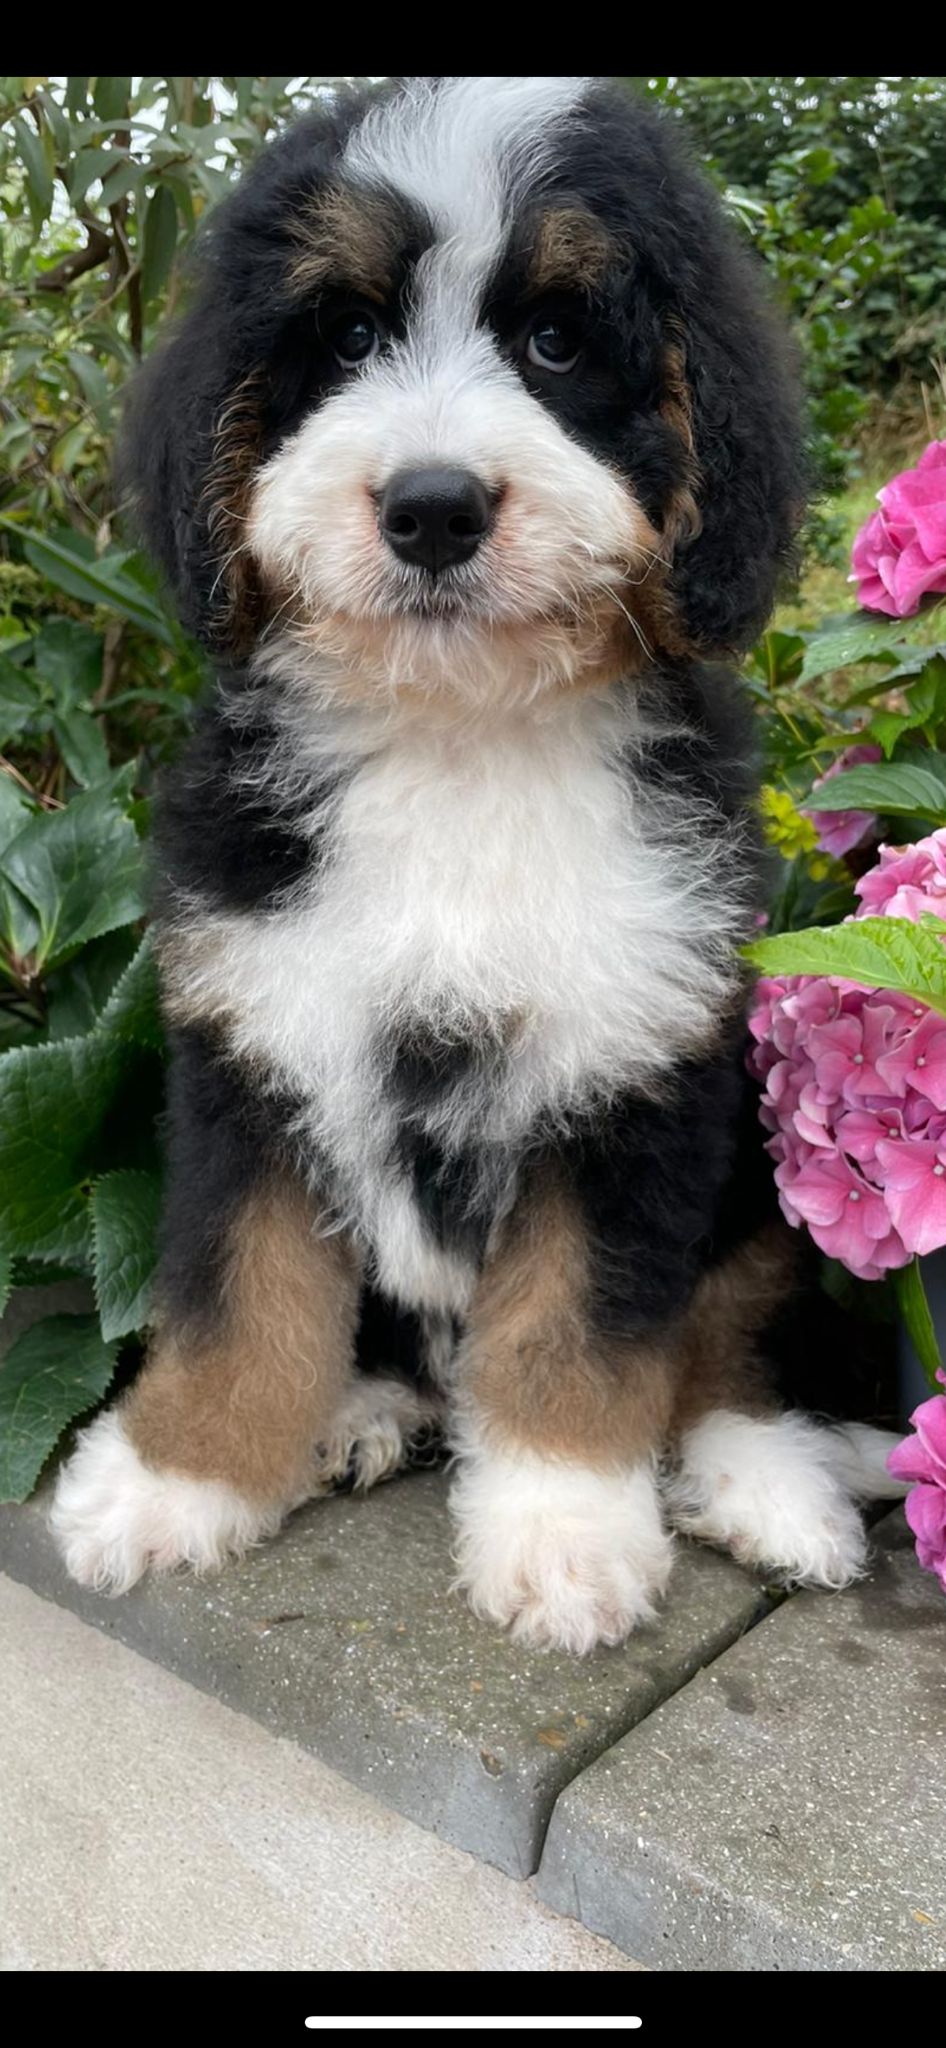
217,1440
247,1403
559,1526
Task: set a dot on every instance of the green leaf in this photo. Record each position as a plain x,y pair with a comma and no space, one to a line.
82,746
78,992
915,786
926,702
68,656
39,172
95,580
92,381
80,870
15,808
915,1310
111,97
875,952
54,1373
160,242
88,165
18,699
121,180
125,1211
778,657
838,645
6,1278
55,1100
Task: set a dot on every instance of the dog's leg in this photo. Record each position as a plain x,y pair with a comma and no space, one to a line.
560,1531
775,1489
218,1437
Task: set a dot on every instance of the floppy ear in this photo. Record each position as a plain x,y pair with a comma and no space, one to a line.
731,393
191,443
197,415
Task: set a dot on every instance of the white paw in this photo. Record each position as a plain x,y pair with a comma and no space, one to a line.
766,1489
113,1518
564,1556
372,1433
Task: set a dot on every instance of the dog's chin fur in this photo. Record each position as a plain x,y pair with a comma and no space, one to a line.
450,666
453,873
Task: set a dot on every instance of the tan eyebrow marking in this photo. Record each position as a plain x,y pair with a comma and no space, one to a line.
570,248
348,237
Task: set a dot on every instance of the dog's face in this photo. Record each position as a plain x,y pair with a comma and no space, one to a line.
473,365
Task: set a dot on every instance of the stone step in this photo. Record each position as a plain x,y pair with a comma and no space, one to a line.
787,1810
345,1636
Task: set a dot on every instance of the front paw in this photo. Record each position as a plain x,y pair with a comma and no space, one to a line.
765,1489
564,1556
114,1518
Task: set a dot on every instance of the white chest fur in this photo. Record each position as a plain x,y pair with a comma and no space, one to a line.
508,880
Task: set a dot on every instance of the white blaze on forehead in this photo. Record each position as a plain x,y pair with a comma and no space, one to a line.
463,148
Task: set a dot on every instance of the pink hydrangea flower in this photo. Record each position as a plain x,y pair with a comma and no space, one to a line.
854,1090
899,556
840,831
921,1460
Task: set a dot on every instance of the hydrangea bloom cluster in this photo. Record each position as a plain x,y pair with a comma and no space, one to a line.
854,1090
921,1460
899,556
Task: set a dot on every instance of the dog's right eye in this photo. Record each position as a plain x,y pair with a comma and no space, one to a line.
355,338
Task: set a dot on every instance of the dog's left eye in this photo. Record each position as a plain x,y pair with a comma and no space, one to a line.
554,345
355,338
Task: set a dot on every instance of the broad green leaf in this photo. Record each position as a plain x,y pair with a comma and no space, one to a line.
68,656
132,1014
82,746
916,786
6,1278
875,952
887,727
55,1136
125,1211
915,1310
926,702
53,1374
15,808
855,639
95,580
160,242
80,871
78,992
18,699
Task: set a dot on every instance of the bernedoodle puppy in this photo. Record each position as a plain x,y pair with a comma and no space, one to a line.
472,464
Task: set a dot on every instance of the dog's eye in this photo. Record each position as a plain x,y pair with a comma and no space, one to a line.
355,338
554,345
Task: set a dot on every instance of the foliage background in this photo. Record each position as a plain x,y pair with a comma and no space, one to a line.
840,183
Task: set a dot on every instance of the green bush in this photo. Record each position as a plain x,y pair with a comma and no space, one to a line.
103,182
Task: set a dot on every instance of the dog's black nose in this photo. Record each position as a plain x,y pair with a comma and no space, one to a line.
435,517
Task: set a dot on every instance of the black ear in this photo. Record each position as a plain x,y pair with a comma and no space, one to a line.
732,390
198,412
727,387
191,443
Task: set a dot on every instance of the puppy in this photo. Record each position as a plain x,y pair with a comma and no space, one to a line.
476,457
